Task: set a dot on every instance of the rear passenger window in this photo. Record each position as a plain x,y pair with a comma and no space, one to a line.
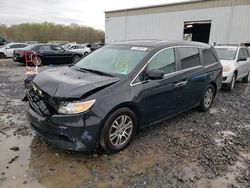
208,57
45,48
190,57
164,60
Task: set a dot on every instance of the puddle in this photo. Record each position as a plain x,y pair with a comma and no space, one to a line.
16,174
234,171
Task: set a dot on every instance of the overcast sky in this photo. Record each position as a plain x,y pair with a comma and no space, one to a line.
82,12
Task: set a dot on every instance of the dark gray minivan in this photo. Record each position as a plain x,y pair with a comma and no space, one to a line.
122,87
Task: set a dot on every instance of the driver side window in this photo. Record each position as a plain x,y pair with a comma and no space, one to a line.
241,54
164,60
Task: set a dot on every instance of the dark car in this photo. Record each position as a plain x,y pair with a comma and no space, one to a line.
105,97
47,54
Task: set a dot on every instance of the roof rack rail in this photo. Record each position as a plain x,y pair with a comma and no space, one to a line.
227,45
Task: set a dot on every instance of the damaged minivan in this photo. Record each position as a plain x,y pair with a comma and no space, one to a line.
105,98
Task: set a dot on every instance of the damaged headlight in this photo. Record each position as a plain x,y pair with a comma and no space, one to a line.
75,107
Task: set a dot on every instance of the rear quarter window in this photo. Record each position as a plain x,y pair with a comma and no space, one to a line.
208,57
190,57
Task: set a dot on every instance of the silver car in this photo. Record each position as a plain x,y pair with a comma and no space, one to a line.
236,64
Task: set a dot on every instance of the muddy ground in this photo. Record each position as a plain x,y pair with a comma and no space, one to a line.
194,149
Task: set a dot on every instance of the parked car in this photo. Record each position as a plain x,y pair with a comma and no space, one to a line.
8,49
236,64
47,54
3,41
68,45
80,49
32,42
123,87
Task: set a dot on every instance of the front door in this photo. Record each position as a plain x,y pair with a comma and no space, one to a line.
61,55
163,98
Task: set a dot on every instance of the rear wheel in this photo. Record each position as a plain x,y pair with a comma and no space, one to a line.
2,55
230,86
118,130
85,53
246,79
207,98
75,58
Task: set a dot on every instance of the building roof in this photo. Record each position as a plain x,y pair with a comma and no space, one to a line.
174,7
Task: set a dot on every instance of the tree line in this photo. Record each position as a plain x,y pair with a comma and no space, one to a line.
45,32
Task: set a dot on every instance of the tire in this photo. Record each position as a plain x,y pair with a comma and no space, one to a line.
2,55
75,58
85,53
246,78
207,98
113,138
230,86
38,61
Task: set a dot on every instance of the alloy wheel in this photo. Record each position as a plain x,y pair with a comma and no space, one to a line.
208,98
121,131
37,61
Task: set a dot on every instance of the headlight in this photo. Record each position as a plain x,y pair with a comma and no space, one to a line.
75,107
227,68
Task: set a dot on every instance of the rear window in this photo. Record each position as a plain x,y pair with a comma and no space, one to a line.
190,57
30,47
208,57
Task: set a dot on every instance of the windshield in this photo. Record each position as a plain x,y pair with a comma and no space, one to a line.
120,60
226,53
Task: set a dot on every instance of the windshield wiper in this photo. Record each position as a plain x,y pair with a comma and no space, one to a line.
95,71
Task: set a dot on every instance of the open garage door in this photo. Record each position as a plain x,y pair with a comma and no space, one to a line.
197,31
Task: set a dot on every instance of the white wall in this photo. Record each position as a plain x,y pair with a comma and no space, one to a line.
229,25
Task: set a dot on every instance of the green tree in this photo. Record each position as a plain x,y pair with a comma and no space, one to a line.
46,31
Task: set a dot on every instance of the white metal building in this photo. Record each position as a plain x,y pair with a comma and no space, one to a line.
221,21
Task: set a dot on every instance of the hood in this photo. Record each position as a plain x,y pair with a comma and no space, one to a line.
66,82
227,62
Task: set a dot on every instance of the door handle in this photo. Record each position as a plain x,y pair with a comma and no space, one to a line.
180,84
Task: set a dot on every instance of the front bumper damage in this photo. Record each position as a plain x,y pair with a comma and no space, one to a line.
79,132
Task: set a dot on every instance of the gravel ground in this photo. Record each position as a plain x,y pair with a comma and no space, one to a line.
194,149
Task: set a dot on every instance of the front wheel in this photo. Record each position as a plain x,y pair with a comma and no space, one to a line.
118,130
246,78
207,98
230,86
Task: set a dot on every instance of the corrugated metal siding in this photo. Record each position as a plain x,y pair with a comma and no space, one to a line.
229,24
178,7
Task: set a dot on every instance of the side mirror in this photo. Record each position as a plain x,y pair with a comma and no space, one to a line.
242,59
155,74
